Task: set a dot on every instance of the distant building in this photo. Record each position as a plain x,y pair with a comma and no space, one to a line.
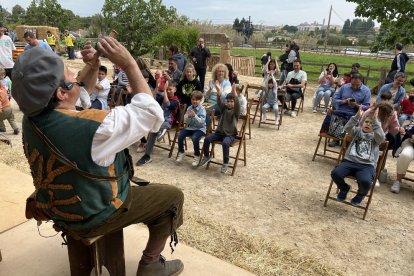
311,27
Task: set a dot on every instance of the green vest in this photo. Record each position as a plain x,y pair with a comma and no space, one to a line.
71,200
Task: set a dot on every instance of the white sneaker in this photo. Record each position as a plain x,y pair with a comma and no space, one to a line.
395,188
314,110
277,122
293,114
324,112
377,183
196,161
180,157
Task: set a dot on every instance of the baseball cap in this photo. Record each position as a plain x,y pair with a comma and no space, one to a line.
36,75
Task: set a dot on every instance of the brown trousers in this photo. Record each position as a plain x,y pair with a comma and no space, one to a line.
159,206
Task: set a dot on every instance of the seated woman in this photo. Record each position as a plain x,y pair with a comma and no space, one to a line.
391,126
219,82
327,81
187,85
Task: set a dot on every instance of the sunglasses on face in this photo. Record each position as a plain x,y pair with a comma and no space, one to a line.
70,85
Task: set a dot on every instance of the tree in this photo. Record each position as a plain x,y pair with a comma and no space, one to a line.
49,12
290,29
183,37
18,13
138,22
396,19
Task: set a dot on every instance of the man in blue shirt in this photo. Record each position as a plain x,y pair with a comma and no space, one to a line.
351,95
32,41
349,98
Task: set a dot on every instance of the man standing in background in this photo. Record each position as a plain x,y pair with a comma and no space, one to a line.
69,44
199,56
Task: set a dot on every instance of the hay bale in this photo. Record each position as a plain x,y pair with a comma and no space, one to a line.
39,31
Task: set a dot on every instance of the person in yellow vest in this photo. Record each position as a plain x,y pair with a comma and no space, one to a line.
51,40
69,44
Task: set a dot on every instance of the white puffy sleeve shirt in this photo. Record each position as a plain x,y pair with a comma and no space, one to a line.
125,125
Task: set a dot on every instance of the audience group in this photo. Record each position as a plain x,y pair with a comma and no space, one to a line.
182,84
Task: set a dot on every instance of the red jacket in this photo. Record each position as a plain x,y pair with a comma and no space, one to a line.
407,106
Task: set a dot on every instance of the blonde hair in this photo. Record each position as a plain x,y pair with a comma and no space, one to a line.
188,66
216,67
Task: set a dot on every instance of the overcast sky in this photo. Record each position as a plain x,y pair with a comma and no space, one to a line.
291,12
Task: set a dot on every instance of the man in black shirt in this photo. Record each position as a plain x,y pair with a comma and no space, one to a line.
199,56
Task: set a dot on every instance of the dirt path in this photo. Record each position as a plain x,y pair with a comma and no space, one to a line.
279,196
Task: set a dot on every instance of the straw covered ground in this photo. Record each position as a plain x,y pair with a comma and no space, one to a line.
269,218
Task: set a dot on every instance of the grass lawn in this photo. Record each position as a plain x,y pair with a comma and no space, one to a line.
314,71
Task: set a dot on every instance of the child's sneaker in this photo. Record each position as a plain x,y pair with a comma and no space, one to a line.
342,194
277,121
196,161
180,156
204,161
377,183
293,114
324,112
395,188
314,110
357,200
224,168
141,147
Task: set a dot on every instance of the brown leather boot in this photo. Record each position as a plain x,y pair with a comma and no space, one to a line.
160,268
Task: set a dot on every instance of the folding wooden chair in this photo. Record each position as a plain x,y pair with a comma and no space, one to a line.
333,154
175,129
272,121
111,96
254,109
239,142
299,107
364,205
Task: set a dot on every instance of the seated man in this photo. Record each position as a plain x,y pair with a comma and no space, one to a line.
294,83
349,98
90,195
396,89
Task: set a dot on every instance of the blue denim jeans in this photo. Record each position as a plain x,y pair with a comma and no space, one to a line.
226,141
325,92
274,106
403,118
363,173
195,137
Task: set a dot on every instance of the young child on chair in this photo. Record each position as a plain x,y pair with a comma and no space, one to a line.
170,106
270,100
361,156
226,130
195,118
